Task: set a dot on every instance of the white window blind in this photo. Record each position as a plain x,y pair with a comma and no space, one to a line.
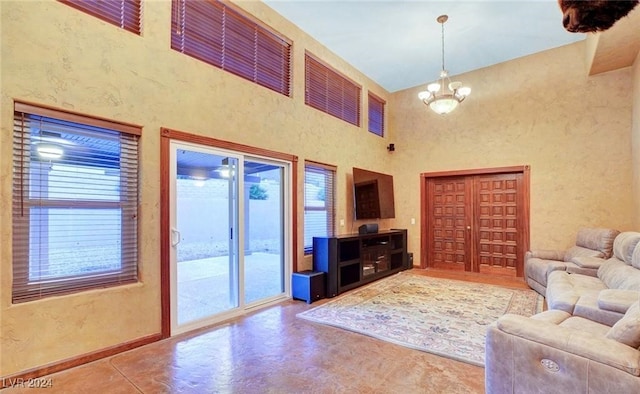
376,115
217,34
75,202
330,92
123,13
319,202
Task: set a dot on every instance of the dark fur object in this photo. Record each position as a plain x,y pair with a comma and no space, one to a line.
593,15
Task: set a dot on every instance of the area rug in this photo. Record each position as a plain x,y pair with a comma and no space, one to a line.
440,316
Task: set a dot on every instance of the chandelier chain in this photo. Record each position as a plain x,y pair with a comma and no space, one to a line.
442,24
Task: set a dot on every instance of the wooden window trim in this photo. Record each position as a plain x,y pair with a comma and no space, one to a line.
165,200
25,289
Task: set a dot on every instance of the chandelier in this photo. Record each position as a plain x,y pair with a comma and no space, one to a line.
444,96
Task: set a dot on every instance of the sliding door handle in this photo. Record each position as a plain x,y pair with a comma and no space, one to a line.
175,237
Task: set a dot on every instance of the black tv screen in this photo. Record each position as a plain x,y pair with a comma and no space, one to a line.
372,195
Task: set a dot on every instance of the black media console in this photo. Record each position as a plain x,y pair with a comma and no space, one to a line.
352,260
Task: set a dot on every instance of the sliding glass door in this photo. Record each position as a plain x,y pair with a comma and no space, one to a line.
227,234
264,215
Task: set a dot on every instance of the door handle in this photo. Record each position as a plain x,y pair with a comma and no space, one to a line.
468,227
175,237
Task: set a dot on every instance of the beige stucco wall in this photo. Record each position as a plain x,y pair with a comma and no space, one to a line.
541,110
57,56
635,143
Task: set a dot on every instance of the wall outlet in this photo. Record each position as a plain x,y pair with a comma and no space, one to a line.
413,220
341,222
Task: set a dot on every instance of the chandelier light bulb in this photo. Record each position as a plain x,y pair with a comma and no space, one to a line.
464,91
433,87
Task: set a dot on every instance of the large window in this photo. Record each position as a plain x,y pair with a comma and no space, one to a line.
330,92
75,202
123,13
319,202
217,34
376,115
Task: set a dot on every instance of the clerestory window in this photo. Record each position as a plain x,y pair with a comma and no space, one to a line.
218,34
126,14
376,115
331,92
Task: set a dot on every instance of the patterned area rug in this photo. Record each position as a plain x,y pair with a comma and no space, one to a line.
440,316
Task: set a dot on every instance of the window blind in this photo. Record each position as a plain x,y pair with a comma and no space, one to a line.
376,115
219,35
126,14
330,92
75,202
319,202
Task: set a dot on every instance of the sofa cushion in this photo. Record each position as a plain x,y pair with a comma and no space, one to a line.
617,300
600,239
574,269
615,274
624,245
564,289
635,258
627,329
588,307
579,251
588,262
586,325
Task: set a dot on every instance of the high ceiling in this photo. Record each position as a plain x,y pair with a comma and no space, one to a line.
398,43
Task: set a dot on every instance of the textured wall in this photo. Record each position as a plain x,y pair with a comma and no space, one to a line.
541,110
635,143
55,55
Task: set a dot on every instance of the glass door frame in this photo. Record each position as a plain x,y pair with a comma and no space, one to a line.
290,250
235,256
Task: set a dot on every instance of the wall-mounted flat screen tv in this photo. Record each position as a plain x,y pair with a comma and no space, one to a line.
372,195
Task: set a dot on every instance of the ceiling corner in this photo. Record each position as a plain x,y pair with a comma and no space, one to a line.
615,48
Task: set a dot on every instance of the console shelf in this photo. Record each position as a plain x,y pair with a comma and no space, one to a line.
353,260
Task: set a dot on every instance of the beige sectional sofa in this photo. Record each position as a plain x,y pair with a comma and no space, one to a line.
588,341
592,247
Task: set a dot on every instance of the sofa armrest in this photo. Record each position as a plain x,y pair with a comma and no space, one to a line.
617,300
599,349
546,254
588,262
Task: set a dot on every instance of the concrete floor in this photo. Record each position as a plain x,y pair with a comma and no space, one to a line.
203,285
272,351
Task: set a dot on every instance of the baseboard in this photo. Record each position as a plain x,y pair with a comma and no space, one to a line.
24,376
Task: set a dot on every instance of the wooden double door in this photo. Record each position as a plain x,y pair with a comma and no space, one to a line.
476,220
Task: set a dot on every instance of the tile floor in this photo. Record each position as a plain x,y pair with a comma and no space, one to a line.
269,351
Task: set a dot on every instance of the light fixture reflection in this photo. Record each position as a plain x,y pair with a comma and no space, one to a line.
49,151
